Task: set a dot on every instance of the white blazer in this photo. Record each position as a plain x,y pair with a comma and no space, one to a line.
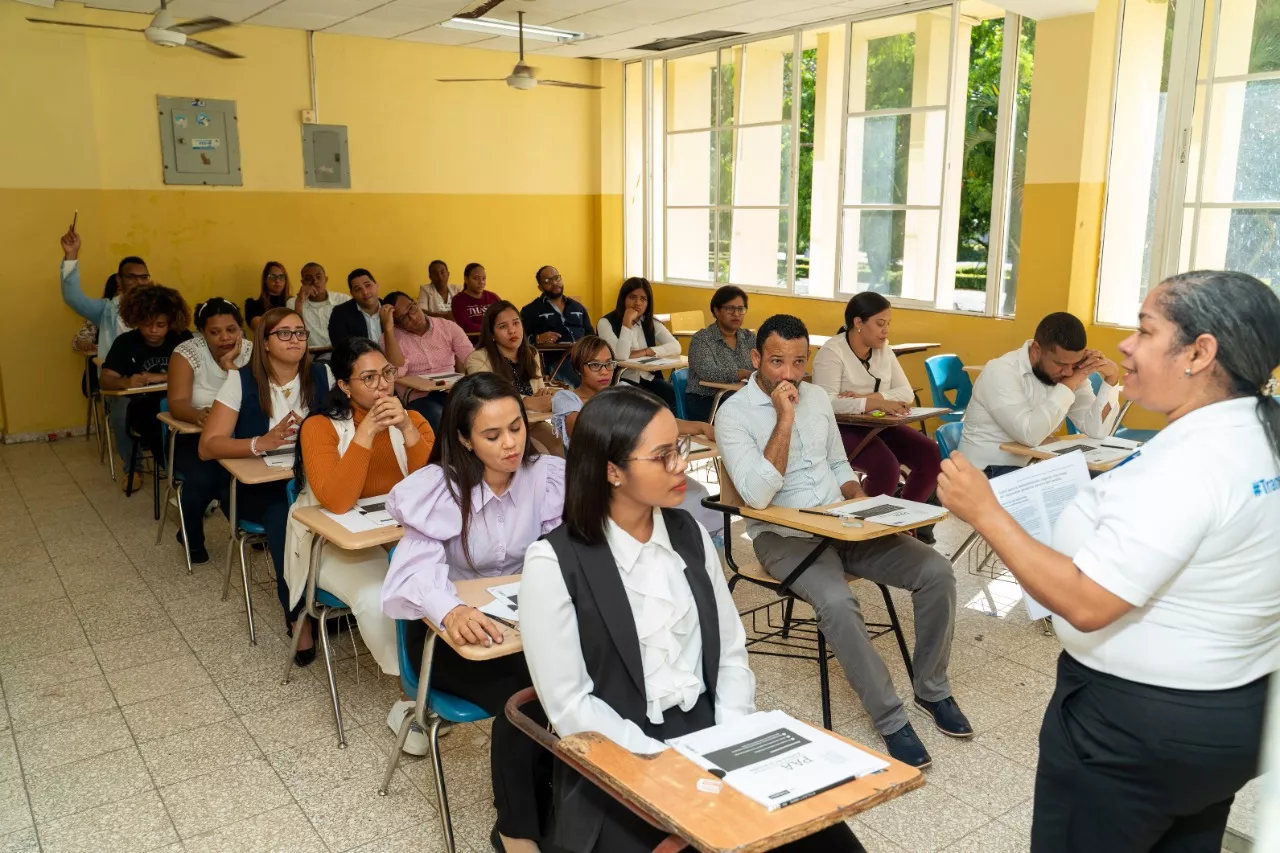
836,369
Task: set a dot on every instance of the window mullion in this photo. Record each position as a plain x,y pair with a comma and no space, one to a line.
1002,177
793,183
1206,129
837,273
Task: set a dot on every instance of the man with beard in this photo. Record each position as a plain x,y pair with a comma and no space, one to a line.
554,318
1024,395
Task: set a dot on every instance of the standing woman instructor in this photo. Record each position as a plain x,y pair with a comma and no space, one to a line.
1165,576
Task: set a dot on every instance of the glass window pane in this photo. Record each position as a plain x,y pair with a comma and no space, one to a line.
690,89
1243,240
766,82
657,169
689,163
1241,142
981,115
894,252
900,61
1018,150
895,159
763,166
633,143
755,246
1248,37
689,240
818,179
725,164
727,81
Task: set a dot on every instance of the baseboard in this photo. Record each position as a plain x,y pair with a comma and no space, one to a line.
55,435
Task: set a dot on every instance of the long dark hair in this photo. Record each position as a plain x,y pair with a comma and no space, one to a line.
269,301
863,306
608,430
337,404
1243,315
526,355
261,361
463,471
646,322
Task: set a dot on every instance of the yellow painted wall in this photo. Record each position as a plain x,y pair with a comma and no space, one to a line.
474,172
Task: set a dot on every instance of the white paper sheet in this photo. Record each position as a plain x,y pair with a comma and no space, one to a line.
368,514
1036,495
501,608
279,460
658,361
508,592
1096,451
885,509
926,411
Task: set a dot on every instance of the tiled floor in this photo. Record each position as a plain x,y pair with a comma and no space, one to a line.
139,718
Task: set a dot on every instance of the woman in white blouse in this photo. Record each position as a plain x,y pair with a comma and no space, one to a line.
629,628
632,333
1164,574
861,374
197,373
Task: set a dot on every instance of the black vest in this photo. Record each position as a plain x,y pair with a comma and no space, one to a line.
252,420
611,651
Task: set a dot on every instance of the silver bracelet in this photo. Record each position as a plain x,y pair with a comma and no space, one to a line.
253,446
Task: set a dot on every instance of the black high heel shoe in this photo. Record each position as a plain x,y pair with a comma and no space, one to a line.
303,657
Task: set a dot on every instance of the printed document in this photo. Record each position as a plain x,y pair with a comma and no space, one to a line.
776,759
368,514
1036,495
1096,451
506,602
889,510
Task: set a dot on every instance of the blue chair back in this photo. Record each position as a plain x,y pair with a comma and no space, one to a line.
948,437
448,706
1095,381
680,381
946,375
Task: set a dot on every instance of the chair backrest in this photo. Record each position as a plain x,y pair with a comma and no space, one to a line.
679,381
687,321
948,437
1095,382
728,492
291,490
946,373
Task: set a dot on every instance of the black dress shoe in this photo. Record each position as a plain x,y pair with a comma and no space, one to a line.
496,841
947,716
905,745
305,657
199,554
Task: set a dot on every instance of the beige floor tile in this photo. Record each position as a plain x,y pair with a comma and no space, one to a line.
151,680
423,838
186,754
354,813
472,825
134,824
9,766
52,746
284,828
983,779
1019,817
985,712
26,620
14,814
35,673
994,837
1017,686
24,562
18,529
294,724
153,647
315,768
22,841
177,712
466,775
925,820
87,784
1041,655
127,620
59,703
1017,739
234,658
32,594
873,841
229,795
262,690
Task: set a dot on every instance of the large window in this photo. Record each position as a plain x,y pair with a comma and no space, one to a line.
881,154
1194,176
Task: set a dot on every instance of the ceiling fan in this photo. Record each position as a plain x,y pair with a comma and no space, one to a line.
166,32
523,76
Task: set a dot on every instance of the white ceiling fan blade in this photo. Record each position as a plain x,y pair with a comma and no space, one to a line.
565,85
212,49
76,24
200,25
472,80
472,10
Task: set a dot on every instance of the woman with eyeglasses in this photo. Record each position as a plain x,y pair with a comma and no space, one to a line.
628,625
258,411
359,445
484,499
632,333
719,353
594,362
273,293
197,372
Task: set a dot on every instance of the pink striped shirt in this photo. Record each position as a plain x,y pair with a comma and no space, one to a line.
438,351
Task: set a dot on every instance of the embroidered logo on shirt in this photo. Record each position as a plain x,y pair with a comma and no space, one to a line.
1266,487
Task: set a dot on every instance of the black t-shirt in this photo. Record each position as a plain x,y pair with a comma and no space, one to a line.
131,354
257,306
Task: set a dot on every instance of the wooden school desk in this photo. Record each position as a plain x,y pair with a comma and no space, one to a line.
557,347
663,790
1032,453
251,471
176,428
425,383
674,362
878,424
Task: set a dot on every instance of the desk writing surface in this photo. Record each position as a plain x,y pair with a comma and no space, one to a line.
252,471
627,364
911,348
712,451
882,420
665,787
828,526
314,519
426,383
724,386
474,593
129,392
1032,453
180,427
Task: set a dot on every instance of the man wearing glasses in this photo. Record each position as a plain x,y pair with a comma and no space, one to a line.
431,346
103,313
719,353
554,318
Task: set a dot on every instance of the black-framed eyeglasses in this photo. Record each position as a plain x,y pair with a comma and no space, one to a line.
140,277
291,334
597,366
733,309
671,458
371,378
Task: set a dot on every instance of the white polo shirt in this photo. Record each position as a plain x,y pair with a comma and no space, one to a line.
1010,403
1188,532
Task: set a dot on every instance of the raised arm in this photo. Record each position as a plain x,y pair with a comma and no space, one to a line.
72,294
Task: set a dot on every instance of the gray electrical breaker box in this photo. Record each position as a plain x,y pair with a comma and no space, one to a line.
325,162
199,142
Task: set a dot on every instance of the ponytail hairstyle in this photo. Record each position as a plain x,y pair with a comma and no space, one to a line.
1243,316
863,306
337,405
214,307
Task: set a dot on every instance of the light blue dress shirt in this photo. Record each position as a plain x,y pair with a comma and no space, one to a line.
816,461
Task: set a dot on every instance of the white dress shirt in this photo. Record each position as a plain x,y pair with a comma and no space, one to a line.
666,623
1186,532
373,322
207,376
628,341
284,398
1010,404
430,301
315,316
836,369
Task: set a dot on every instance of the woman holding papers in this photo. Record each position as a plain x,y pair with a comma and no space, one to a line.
1163,575
360,445
258,411
628,625
861,375
486,497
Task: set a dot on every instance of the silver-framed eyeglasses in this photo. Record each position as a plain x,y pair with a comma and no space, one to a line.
670,458
370,378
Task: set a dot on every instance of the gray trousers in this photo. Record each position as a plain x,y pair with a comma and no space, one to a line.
897,561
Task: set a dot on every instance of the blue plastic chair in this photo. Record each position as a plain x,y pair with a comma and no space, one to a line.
1095,380
433,705
948,437
173,488
946,374
680,381
321,605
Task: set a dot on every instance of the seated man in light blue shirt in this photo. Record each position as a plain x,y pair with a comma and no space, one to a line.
780,446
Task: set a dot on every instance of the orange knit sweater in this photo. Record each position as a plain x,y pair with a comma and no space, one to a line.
339,481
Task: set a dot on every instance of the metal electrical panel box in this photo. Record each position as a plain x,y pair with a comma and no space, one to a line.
325,161
199,142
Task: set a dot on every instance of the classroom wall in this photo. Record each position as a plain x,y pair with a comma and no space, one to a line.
465,172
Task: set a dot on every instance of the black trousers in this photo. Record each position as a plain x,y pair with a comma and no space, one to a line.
519,767
430,407
203,482
268,504
1128,767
